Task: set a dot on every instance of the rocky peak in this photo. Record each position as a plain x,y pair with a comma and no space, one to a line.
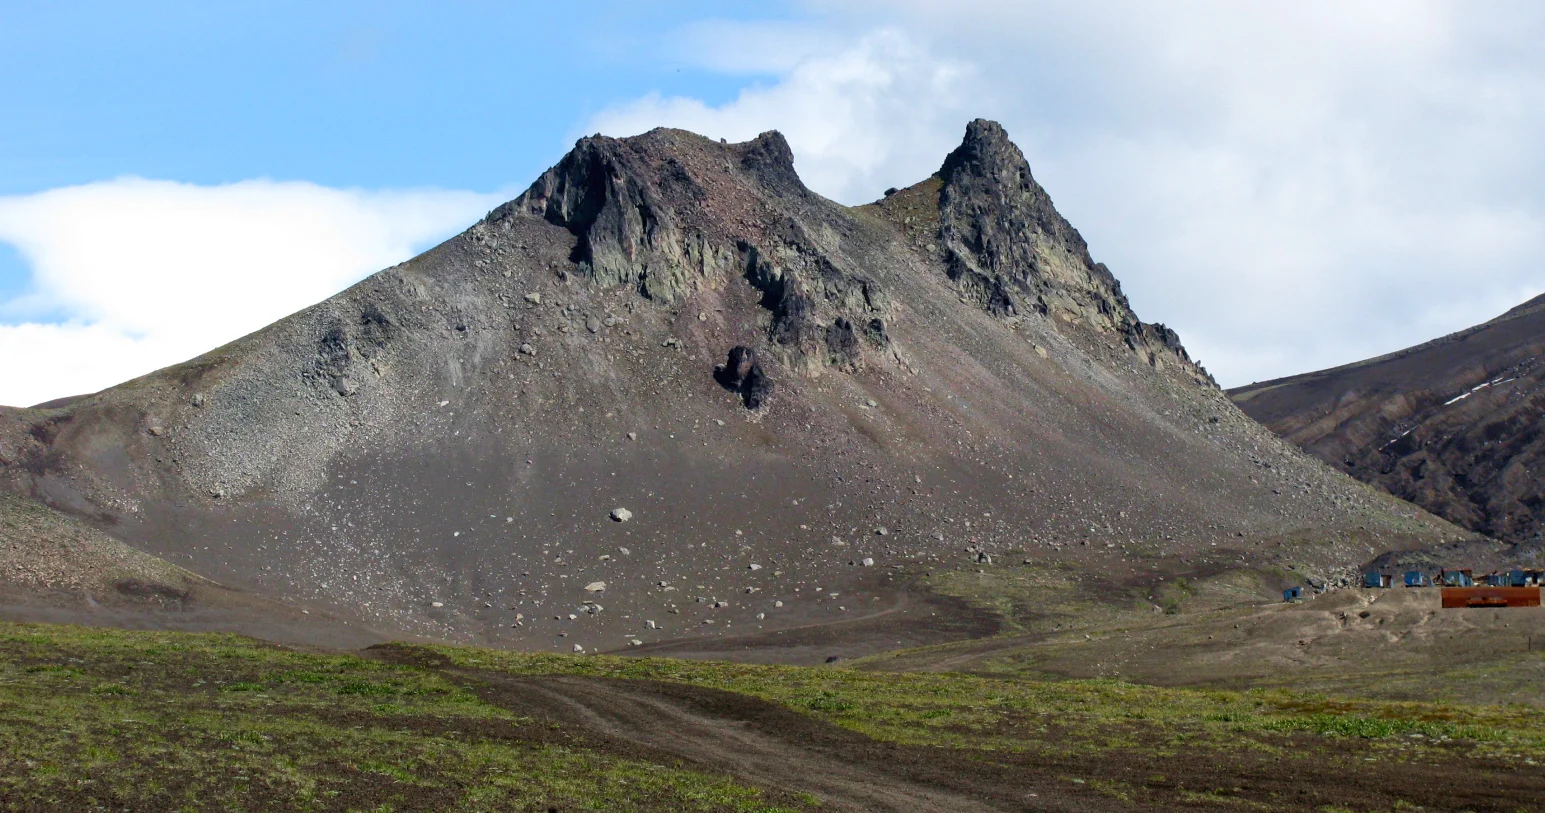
649,210
674,214
1007,247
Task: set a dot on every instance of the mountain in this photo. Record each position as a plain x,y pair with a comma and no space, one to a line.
671,396
1453,425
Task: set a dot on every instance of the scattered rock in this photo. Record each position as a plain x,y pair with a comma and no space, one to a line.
197,400
593,325
595,587
867,562
437,604
881,531
754,566
632,436
527,350
621,515
578,648
534,298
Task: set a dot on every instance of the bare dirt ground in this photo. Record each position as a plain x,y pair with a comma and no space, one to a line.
1396,644
210,609
904,617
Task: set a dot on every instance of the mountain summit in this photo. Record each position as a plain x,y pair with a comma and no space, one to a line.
1006,244
671,396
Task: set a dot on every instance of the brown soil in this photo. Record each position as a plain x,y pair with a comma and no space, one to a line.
907,617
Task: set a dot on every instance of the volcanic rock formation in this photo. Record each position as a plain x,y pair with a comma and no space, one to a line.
954,382
1453,425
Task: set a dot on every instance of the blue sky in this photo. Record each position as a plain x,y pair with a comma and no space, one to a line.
1291,186
464,95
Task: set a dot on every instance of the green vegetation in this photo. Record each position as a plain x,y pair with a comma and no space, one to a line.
1064,717
170,721
99,719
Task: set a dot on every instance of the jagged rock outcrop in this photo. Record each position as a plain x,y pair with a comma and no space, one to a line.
741,374
1007,248
647,215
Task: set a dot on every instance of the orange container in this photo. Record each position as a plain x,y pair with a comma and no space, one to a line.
1454,597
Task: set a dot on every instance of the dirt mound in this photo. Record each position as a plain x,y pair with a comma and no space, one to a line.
1452,425
916,385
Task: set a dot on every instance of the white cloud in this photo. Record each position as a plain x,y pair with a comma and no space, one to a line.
149,273
739,46
1290,185
851,115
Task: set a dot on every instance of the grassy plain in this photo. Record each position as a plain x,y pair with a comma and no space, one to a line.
106,719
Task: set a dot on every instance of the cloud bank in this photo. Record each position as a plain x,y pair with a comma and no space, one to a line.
132,275
858,116
1292,186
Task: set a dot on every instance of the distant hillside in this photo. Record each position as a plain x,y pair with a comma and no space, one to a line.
1453,425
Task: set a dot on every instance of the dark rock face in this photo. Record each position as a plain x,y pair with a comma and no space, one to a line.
742,374
1006,246
1456,425
641,216
627,230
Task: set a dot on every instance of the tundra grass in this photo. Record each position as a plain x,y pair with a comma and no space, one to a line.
101,719
169,721
962,711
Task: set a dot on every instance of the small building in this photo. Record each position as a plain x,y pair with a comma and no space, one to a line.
1518,578
1456,578
1373,578
1497,579
1295,593
1416,578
